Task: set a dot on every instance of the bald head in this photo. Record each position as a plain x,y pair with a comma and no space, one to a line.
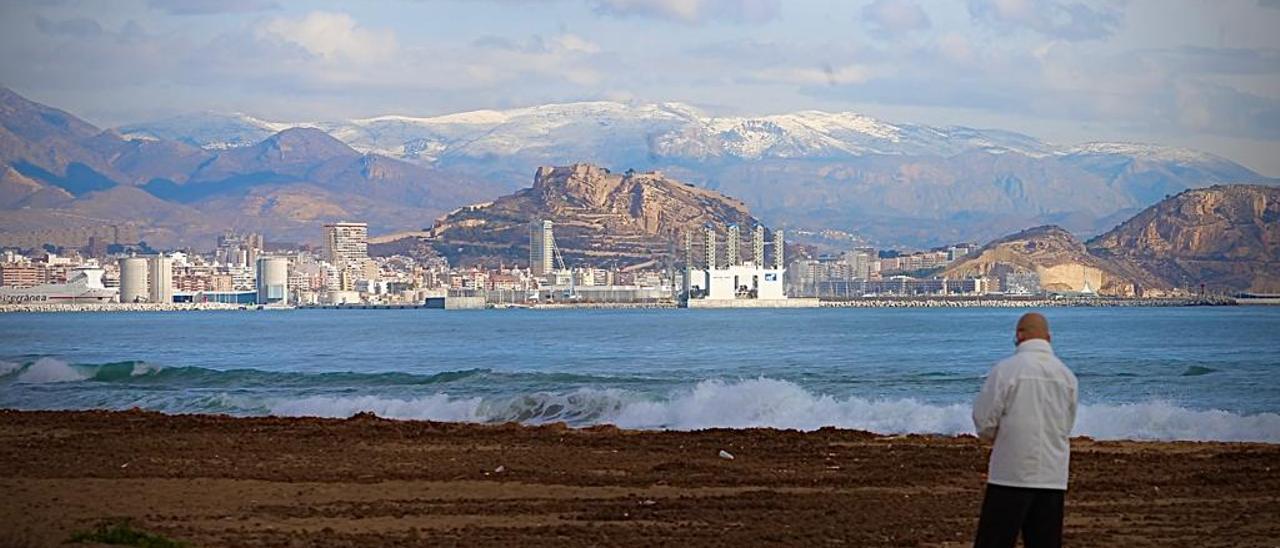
1032,325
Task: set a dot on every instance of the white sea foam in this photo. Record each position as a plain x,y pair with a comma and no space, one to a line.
781,404
1165,421
9,368
48,370
438,407
144,368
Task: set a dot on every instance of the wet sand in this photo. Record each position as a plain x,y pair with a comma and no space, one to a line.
219,481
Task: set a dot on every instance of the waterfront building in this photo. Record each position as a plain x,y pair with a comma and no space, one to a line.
21,274
542,244
1022,282
735,283
347,248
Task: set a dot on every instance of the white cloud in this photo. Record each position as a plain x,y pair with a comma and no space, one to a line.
895,16
1065,19
811,76
692,11
333,36
210,7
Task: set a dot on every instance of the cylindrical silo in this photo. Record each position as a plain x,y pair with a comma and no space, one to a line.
133,279
273,280
161,285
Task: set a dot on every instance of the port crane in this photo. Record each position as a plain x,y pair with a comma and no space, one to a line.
560,266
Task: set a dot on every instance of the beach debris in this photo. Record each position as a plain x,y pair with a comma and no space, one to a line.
726,455
500,469
648,502
125,465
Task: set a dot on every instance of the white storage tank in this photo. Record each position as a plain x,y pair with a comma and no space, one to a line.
133,280
273,280
161,275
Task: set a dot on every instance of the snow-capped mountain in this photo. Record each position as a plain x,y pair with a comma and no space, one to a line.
669,130
913,183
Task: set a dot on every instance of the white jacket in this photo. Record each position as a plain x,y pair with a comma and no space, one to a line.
1028,404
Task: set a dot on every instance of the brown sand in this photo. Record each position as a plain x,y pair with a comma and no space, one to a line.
218,481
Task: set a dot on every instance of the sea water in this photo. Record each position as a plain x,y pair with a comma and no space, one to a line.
1205,373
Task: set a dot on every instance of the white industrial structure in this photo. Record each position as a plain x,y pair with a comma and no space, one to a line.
160,285
737,283
133,280
273,280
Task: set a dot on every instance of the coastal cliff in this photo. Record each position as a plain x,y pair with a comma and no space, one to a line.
1226,237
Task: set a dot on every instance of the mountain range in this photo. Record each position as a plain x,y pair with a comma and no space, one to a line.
891,183
184,180
59,173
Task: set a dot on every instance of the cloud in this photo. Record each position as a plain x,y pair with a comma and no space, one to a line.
895,16
811,76
76,26
333,36
1221,110
1066,20
560,43
210,7
692,11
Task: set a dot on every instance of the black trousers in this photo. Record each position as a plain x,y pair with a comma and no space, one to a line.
1007,511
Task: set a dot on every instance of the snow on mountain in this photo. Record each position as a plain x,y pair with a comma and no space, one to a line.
670,130
209,130
632,134
1142,150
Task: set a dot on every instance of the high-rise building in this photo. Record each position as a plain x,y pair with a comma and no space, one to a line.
757,245
541,248
346,247
778,260
709,245
731,245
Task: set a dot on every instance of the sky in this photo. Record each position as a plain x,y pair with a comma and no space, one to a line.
1193,73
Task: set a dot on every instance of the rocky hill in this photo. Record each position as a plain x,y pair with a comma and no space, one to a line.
60,175
893,183
1225,237
602,216
1062,262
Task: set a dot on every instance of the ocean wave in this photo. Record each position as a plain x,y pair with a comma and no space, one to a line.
579,400
781,404
55,370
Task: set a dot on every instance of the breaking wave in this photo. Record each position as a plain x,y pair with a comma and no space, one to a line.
781,404
483,396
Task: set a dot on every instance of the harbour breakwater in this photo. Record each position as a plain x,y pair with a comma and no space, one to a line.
981,302
898,302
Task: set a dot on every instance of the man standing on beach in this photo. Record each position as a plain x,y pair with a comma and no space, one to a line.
1028,406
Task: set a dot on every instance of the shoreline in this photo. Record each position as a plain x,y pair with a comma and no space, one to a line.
891,302
222,481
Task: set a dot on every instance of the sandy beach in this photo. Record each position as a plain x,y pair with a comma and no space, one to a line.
219,481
